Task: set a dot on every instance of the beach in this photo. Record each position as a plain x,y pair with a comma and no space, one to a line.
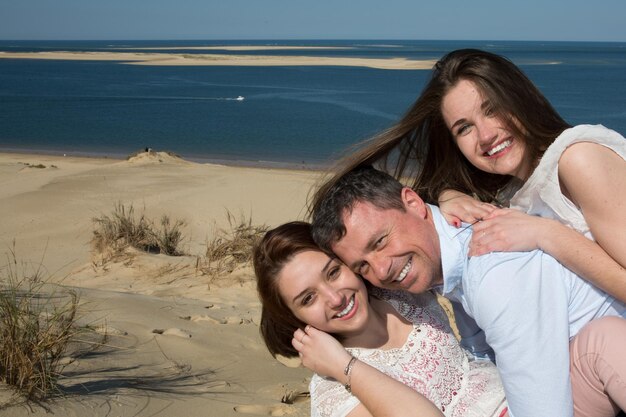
179,341
179,334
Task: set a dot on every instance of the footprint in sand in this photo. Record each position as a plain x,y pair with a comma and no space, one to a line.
204,317
265,410
235,320
295,396
173,332
110,331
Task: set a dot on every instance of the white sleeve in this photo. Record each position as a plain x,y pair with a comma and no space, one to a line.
521,302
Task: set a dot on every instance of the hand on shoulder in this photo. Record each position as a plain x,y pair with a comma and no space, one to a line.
457,207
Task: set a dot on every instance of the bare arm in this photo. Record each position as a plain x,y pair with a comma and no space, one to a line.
594,178
379,394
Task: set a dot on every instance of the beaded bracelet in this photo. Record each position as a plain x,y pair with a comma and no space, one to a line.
348,372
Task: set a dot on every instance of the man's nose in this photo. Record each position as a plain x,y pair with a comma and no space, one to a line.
379,267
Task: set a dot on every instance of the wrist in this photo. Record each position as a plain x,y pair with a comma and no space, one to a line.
347,372
551,234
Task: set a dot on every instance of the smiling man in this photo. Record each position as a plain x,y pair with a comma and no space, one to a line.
528,304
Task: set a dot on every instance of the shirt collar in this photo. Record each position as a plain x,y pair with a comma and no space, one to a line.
453,245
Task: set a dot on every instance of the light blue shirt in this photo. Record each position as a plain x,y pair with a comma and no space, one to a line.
529,306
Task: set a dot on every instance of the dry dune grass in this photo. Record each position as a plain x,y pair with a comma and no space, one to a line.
228,251
123,228
37,325
231,248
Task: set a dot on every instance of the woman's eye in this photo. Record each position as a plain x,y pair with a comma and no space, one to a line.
307,299
334,272
462,130
488,110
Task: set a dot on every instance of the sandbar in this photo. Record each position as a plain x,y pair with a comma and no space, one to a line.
240,48
162,59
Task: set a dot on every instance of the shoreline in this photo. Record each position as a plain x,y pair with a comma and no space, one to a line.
234,163
164,59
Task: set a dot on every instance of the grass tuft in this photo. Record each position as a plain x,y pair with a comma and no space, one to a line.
116,232
36,328
169,236
232,247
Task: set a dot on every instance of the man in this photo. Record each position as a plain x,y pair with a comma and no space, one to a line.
527,303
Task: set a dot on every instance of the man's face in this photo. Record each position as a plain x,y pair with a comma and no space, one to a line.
390,248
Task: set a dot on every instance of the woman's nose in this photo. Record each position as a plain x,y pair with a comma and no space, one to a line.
487,131
334,297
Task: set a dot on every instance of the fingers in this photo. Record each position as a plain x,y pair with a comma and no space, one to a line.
477,212
479,244
478,250
483,210
486,238
497,212
299,337
452,220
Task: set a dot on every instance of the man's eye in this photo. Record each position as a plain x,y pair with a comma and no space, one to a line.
380,242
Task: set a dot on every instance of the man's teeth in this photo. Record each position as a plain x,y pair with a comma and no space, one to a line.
404,271
347,309
498,148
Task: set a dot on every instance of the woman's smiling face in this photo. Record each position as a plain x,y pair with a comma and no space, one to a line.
481,136
324,293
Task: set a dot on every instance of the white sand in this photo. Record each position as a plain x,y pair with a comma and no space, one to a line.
206,358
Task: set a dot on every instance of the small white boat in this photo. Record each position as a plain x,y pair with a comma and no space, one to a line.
240,98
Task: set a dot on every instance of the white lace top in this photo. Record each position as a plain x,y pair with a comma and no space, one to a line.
431,362
541,194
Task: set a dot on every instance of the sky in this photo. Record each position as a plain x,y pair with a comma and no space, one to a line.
549,20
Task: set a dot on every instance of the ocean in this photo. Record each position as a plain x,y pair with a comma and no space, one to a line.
291,115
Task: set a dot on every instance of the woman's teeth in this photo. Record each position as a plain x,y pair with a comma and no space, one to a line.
404,271
500,147
346,310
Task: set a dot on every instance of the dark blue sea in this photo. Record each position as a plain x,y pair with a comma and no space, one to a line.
294,115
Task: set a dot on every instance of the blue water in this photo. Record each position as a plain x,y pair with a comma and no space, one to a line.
290,114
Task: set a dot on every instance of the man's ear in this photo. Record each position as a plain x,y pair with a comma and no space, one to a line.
413,203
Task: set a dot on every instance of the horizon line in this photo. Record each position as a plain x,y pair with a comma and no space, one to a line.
303,39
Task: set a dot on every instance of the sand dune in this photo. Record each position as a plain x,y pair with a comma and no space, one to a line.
179,342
